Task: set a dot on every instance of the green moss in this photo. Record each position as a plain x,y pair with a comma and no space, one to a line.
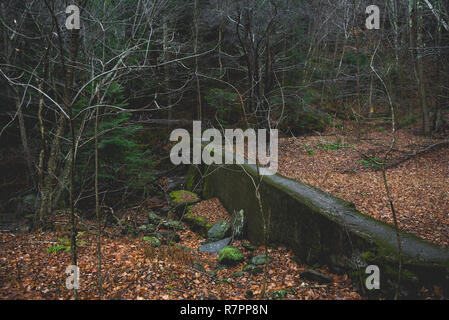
153,241
197,219
230,255
197,224
181,197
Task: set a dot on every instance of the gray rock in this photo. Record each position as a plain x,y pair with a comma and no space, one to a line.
260,260
219,231
214,247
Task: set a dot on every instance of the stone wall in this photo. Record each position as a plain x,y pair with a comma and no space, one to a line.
320,228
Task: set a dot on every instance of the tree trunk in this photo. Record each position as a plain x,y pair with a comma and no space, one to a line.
420,69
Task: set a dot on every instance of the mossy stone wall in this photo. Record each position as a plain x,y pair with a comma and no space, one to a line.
320,228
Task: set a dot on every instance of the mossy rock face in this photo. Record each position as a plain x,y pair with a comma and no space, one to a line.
197,224
183,197
230,256
219,231
152,241
260,260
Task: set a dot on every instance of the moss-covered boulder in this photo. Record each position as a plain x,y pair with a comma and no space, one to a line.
230,256
219,231
183,197
197,224
260,260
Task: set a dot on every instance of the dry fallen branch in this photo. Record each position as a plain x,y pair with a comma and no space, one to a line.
416,153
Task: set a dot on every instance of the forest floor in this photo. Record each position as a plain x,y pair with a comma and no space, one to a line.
332,161
133,270
341,165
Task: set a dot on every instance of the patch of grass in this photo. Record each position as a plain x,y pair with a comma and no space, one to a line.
310,151
64,244
334,146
